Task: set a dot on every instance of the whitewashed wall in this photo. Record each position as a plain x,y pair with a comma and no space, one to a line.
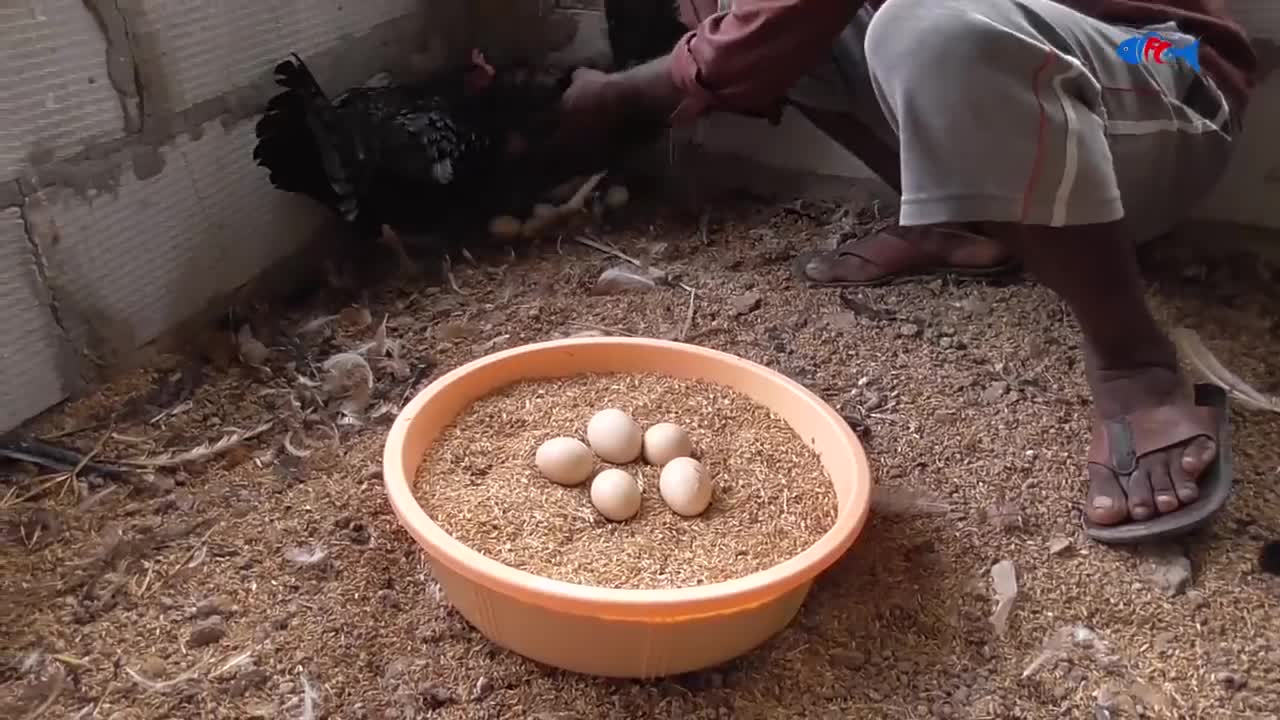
123,213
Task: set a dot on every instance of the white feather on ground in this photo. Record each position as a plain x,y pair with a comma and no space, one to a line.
1194,351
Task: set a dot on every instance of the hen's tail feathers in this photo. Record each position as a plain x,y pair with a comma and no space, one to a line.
288,152
304,143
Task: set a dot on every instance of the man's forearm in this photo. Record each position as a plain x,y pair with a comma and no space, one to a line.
746,59
650,87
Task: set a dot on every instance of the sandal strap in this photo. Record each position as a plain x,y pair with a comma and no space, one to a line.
886,249
1118,444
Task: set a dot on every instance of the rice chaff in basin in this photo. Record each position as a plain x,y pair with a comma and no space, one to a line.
624,632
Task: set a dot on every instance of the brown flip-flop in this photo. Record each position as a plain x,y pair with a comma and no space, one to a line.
890,254
1117,446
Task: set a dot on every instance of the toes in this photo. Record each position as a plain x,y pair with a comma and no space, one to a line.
1141,503
819,269
1186,470
1166,481
1184,483
1198,455
831,267
1187,491
1166,498
1106,503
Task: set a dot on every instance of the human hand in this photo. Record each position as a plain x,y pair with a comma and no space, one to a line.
590,109
600,108
601,115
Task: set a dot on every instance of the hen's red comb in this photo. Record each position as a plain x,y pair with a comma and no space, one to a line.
478,59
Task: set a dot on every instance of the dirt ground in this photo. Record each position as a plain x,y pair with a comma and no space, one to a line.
270,580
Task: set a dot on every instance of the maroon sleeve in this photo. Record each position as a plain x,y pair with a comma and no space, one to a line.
746,59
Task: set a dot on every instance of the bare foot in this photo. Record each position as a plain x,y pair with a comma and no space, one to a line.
1150,446
1153,439
902,252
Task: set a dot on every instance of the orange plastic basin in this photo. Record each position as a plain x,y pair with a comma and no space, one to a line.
611,632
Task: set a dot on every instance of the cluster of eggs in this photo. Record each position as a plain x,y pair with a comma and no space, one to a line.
615,438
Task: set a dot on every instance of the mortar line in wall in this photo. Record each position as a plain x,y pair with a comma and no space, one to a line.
135,66
42,266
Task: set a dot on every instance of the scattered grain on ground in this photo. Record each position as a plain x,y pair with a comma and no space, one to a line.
971,393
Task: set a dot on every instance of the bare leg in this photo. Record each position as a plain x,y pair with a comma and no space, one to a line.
1052,179
393,241
1130,363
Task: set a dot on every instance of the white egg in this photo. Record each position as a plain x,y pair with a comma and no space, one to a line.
614,436
685,486
665,442
564,460
616,494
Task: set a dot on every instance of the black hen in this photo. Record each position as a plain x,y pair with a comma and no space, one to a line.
424,159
